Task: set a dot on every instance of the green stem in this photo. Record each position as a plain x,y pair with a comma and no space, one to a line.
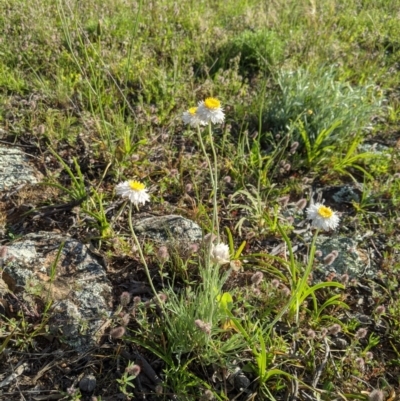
303,282
142,258
213,184
215,206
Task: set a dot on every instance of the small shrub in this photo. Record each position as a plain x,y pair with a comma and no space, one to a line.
318,101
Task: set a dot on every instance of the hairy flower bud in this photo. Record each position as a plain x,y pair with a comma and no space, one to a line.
330,258
125,298
117,332
376,395
301,204
284,200
360,363
275,283
334,329
205,327
294,147
256,278
361,333
162,254
133,370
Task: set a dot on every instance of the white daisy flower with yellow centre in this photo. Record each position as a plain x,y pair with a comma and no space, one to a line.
322,217
211,110
191,118
220,254
135,191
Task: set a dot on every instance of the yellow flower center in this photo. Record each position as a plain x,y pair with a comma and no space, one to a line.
325,212
212,103
136,186
193,110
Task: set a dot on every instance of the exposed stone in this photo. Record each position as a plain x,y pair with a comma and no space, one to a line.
88,383
171,228
338,195
15,169
61,269
351,260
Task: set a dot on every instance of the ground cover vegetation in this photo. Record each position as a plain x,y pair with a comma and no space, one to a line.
309,92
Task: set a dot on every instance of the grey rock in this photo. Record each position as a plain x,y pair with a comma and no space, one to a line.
88,384
346,194
76,284
340,343
352,259
340,194
171,228
15,169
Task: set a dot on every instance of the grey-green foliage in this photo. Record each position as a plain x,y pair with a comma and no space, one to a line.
318,100
258,50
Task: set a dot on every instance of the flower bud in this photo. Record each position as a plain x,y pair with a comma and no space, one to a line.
284,200
125,298
376,395
162,254
205,327
330,258
361,333
133,370
117,332
256,278
294,147
334,329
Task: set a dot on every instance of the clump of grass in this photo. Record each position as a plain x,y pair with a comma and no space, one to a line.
258,50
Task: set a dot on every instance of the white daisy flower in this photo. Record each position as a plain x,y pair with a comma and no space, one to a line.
135,191
190,117
211,110
322,217
220,254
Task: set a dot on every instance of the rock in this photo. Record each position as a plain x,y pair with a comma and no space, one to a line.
171,228
87,384
15,169
61,269
351,260
340,197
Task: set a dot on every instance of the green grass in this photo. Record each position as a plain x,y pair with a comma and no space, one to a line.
98,89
